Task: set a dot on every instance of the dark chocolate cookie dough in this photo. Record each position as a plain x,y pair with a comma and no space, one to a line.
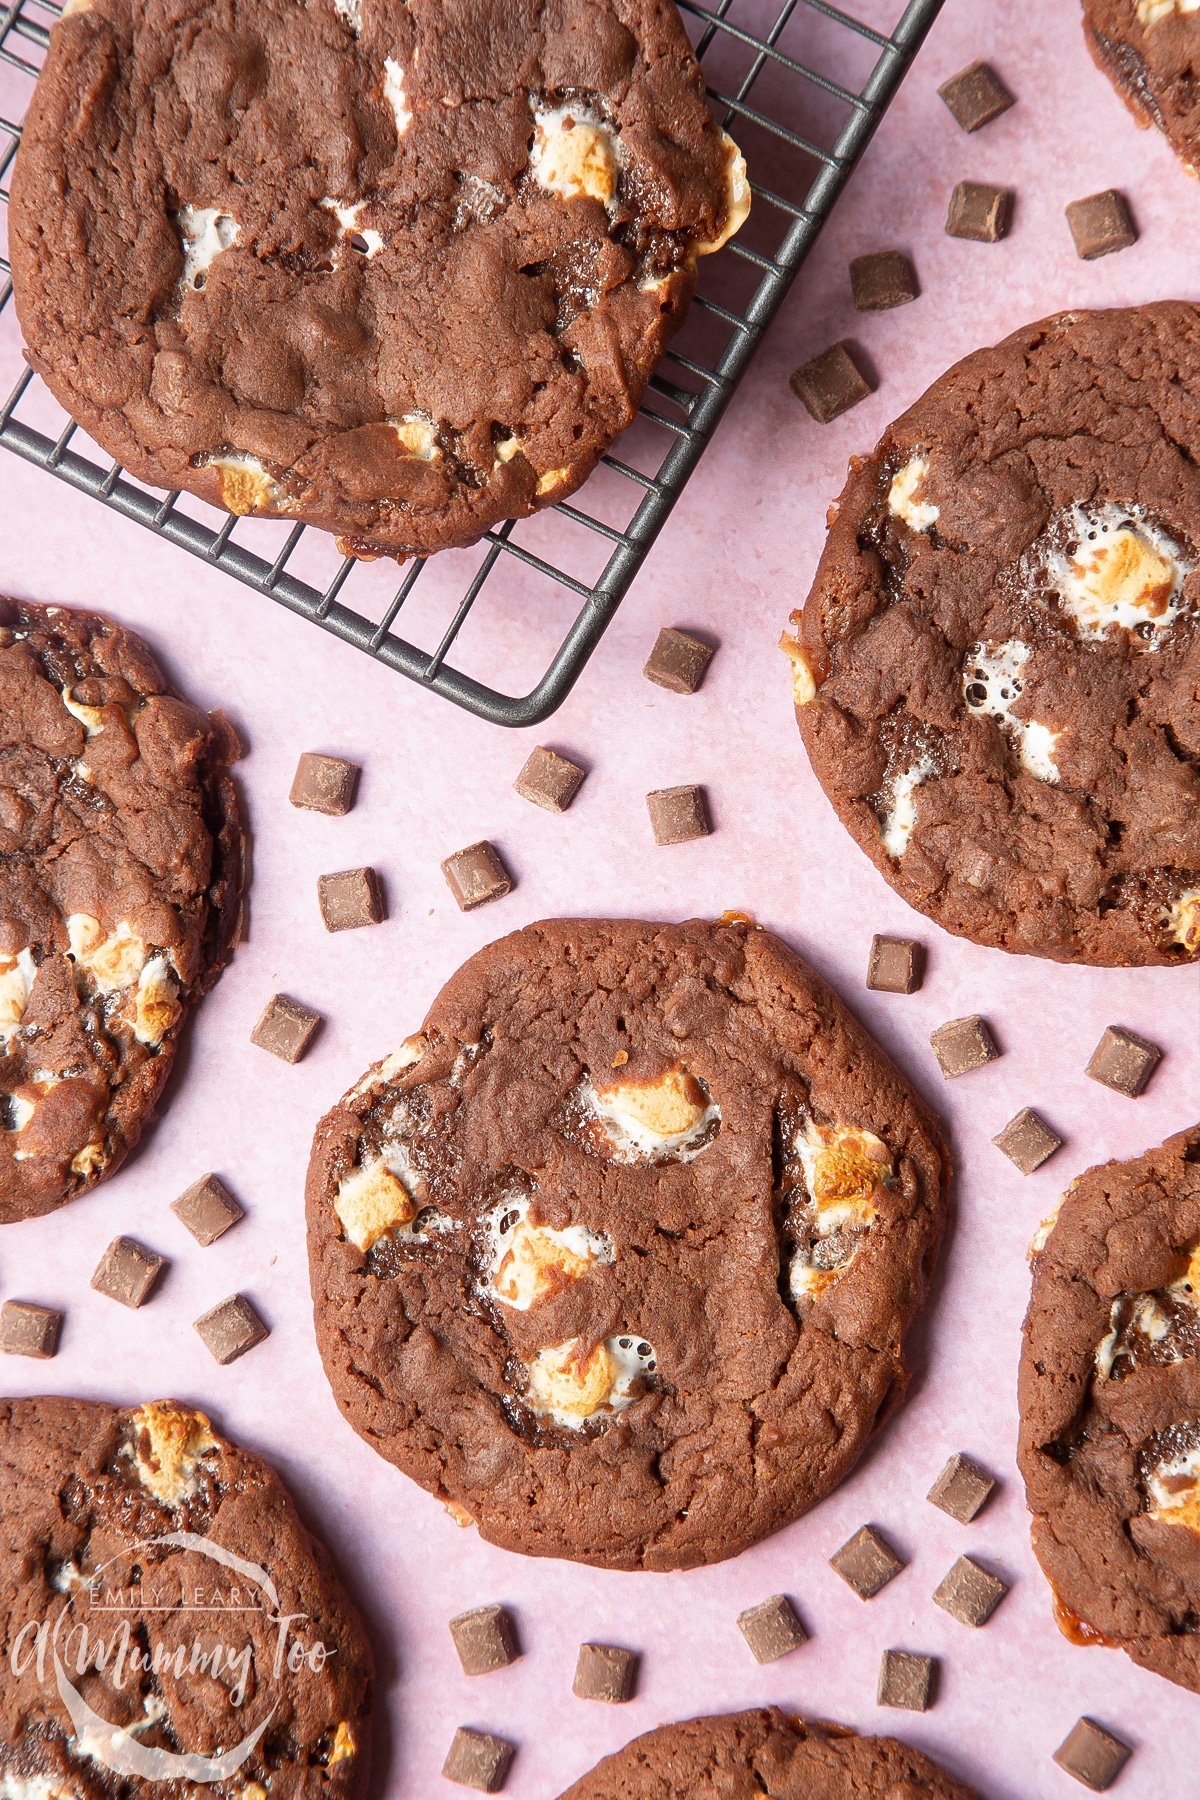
1149,50
1110,1408
996,672
225,1657
743,1756
120,889
616,1255
401,268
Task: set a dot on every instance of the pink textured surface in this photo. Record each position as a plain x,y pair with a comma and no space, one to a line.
735,558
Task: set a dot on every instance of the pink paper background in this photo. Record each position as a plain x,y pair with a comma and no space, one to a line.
737,555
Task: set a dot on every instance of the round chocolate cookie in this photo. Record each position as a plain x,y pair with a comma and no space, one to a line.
996,671
120,889
400,268
1110,1408
616,1255
743,1756
171,1628
1148,49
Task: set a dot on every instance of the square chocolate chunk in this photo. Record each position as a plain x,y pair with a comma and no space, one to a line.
1092,1755
678,660
478,1761
896,965
476,875
351,898
882,280
1027,1140
979,212
286,1028
1101,224
907,1680
866,1562
231,1328
324,784
485,1639
27,1329
549,780
772,1629
678,814
961,1045
976,96
128,1272
961,1489
208,1209
970,1593
1124,1061
604,1672
830,384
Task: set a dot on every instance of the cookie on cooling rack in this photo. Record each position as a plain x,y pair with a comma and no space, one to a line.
120,887
996,671
1148,50
399,268
765,1752
616,1256
142,1528
1110,1407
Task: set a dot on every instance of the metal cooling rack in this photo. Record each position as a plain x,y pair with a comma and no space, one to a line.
803,131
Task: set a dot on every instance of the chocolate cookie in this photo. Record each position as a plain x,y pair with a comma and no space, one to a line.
1148,50
996,671
616,1256
171,1628
742,1756
1110,1408
120,886
400,268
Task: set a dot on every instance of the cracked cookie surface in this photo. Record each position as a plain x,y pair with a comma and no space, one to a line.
120,886
1110,1408
401,270
617,1254
1148,50
143,1528
996,672
742,1756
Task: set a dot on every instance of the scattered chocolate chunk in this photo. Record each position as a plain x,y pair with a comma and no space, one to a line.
1027,1140
678,660
27,1329
477,1760
231,1328
208,1209
128,1272
979,212
351,898
907,1680
830,384
1101,224
485,1639
1123,1061
772,1629
604,1672
896,966
866,1562
286,1028
476,875
961,1489
678,814
882,280
1092,1755
961,1045
970,1593
976,96
549,780
324,784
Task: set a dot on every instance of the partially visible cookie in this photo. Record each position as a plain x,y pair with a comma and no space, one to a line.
743,1756
120,888
996,671
1148,50
1110,1408
244,1671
